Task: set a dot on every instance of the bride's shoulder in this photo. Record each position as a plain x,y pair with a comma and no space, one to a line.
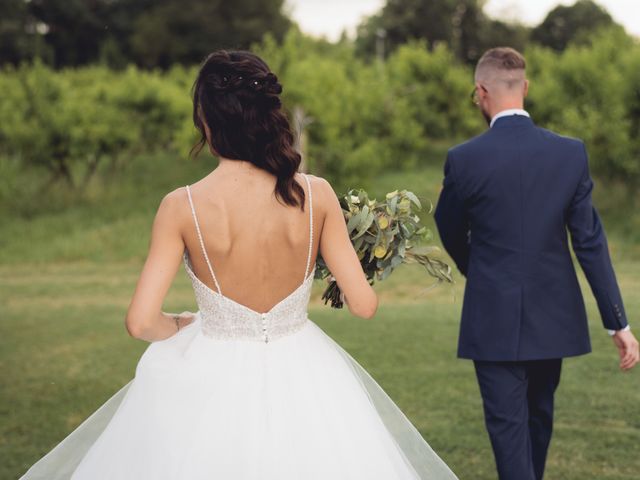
175,197
174,204
321,187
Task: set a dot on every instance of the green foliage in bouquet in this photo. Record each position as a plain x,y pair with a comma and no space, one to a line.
385,234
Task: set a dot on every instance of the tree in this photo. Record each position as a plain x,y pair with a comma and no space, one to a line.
185,31
460,24
73,29
564,24
434,21
477,33
496,33
19,36
148,32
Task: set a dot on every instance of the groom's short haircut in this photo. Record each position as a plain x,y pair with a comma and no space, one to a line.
503,64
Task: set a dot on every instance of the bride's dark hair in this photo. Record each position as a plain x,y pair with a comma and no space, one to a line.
237,96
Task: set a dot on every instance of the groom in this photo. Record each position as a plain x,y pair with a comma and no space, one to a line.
509,198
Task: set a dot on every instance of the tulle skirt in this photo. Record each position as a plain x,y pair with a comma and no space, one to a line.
298,407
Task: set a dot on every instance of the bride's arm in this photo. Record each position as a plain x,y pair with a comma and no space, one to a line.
144,319
341,258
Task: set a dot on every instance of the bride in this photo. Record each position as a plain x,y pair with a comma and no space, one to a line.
248,387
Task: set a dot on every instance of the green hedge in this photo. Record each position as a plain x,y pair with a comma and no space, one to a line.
61,127
69,121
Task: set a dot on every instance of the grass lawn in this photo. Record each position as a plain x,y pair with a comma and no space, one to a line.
66,280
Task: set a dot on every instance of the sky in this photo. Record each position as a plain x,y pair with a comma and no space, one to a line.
329,18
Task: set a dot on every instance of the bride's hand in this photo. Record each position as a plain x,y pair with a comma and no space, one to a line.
182,319
185,318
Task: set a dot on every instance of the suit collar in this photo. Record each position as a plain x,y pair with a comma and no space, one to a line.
513,120
507,112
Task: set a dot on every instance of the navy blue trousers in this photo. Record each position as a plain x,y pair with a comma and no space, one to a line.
518,410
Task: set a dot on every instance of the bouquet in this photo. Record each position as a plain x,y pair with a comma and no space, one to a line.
385,235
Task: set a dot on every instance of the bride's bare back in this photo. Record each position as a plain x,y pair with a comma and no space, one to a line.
257,246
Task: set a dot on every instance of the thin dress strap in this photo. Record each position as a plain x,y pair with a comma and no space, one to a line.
306,271
204,251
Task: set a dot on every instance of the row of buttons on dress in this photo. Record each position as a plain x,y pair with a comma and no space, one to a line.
264,327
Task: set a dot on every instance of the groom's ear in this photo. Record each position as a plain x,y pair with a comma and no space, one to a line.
526,88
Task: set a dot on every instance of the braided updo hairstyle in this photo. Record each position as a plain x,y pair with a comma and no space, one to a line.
237,96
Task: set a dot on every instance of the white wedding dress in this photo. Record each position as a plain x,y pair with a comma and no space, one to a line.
239,394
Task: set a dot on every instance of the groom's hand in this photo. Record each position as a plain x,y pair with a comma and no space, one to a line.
627,348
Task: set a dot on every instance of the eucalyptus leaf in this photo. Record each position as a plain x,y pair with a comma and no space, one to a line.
411,196
354,222
364,226
396,261
393,205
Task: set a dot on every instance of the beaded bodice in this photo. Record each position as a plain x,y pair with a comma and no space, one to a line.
224,318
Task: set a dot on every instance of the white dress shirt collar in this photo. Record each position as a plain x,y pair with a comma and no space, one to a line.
511,111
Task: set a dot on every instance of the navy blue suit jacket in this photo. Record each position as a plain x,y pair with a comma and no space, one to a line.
510,198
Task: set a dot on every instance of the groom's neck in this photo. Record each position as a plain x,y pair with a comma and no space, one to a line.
506,104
